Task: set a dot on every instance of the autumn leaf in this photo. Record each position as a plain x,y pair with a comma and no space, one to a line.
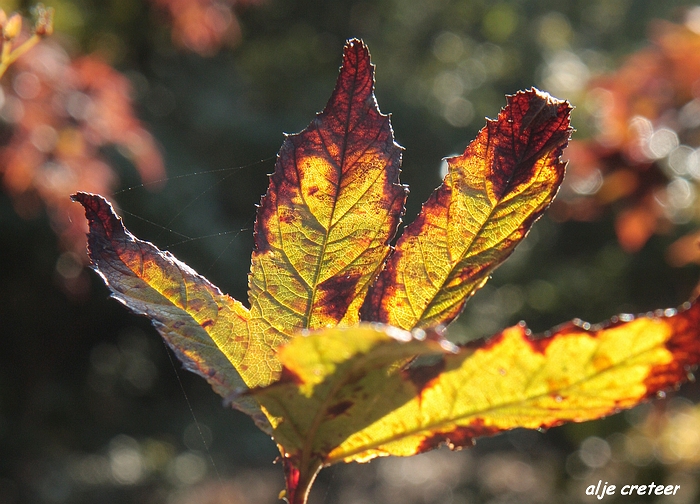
330,388
334,383
333,205
206,329
491,196
339,400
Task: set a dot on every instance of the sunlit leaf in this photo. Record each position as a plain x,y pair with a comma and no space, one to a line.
340,400
206,329
336,382
331,389
488,201
332,206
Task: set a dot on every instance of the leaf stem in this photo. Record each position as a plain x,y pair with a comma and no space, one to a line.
299,481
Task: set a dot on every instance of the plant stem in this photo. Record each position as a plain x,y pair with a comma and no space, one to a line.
299,481
10,57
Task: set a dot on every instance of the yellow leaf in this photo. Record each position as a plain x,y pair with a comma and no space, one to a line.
334,382
333,205
341,400
491,196
206,329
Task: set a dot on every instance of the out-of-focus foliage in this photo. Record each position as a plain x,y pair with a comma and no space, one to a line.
642,163
204,26
60,114
14,44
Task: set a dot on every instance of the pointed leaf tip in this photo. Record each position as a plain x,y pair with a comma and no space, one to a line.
333,204
207,330
99,213
489,199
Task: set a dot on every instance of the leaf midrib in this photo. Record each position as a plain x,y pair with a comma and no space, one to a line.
467,250
326,236
454,421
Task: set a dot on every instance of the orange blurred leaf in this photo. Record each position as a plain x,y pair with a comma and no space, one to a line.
648,118
203,26
62,113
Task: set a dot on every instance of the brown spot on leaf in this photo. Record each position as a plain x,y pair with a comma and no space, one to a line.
459,437
684,344
421,376
339,408
541,342
207,323
289,376
336,294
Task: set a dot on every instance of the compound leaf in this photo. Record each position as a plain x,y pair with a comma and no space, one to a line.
333,205
489,199
331,389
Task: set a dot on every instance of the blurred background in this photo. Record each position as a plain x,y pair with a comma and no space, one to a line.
175,110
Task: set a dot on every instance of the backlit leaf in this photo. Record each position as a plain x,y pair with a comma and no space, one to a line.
331,389
333,204
334,382
337,403
488,201
206,329
326,372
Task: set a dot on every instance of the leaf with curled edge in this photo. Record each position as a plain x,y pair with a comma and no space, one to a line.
334,404
489,199
206,329
333,205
